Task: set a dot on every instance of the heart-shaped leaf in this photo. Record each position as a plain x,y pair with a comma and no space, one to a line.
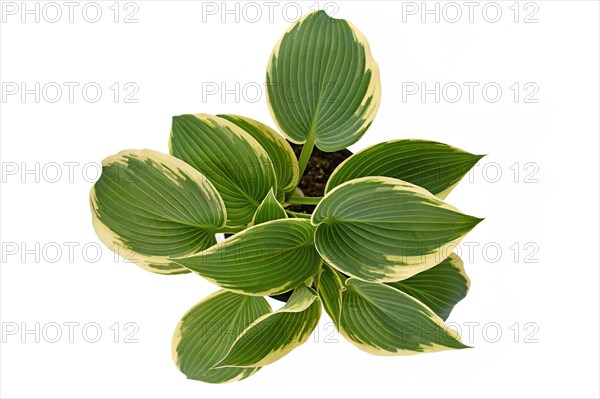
382,320
384,229
274,335
440,288
267,259
434,166
206,332
235,163
322,83
148,207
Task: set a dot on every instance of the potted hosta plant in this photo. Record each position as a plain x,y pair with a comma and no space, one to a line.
374,249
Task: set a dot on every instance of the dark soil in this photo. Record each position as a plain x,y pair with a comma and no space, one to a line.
320,166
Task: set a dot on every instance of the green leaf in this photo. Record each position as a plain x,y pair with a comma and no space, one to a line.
237,165
384,229
329,285
206,332
267,259
322,83
434,166
281,153
440,288
269,209
148,207
384,321
274,335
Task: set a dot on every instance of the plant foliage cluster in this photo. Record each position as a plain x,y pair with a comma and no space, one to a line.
376,253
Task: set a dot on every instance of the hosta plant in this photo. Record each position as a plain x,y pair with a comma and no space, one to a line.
376,252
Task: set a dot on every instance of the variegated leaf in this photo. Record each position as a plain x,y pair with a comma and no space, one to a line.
206,332
267,259
382,320
148,207
440,288
281,153
235,163
434,166
322,83
274,335
269,209
384,229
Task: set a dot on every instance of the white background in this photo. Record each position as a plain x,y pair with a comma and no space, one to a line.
171,54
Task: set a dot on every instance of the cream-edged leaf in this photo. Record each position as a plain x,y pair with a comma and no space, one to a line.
274,335
384,229
434,166
148,207
322,83
282,156
440,288
382,320
267,259
206,332
269,209
235,163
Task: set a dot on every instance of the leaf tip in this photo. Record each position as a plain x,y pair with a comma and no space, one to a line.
477,157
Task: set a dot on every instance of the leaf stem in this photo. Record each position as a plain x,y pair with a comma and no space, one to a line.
307,150
293,200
